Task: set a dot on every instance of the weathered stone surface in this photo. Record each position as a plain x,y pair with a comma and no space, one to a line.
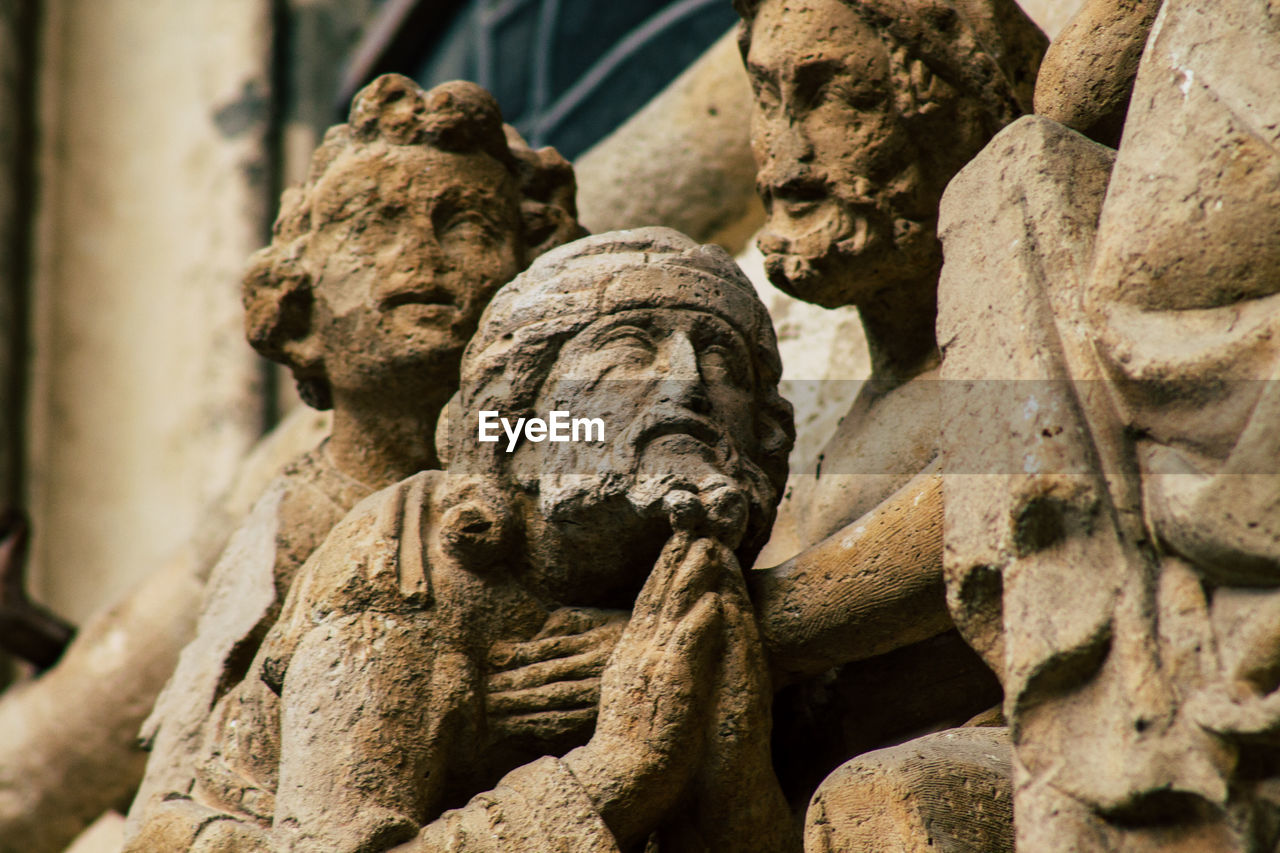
1040,529
864,112
68,740
413,214
1123,576
447,595
944,792
1087,76
1018,225
851,182
1183,297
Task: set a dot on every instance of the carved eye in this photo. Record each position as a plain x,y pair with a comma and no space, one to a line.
470,225
463,224
765,91
720,365
628,344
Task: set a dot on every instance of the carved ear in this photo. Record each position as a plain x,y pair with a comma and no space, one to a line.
547,226
548,192
277,300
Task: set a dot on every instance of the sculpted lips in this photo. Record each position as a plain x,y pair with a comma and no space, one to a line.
807,220
427,303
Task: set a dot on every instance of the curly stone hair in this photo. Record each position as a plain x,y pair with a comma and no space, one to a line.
988,50
456,117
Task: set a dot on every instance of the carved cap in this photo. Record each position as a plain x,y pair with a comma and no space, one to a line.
565,290
572,286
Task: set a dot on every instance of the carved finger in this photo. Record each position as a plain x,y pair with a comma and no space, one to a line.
559,696
575,668
654,592
700,572
509,656
568,621
681,679
543,725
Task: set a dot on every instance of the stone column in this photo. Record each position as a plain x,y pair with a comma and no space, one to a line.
154,189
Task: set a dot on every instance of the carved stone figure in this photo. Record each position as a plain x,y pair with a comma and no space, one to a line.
1122,576
370,717
1087,76
865,109
413,215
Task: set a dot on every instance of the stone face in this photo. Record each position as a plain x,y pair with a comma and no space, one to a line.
864,111
414,212
1087,77
465,601
851,181
851,173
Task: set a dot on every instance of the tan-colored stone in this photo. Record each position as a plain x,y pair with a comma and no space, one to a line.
1119,569
152,170
68,740
1018,225
414,212
864,112
683,161
834,174
1087,76
946,792
423,656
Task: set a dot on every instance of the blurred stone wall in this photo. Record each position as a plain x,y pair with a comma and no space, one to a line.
153,175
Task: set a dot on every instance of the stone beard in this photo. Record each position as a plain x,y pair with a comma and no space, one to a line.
672,376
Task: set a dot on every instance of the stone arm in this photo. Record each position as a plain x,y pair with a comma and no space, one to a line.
867,589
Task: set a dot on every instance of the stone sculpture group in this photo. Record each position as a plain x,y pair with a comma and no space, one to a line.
1026,597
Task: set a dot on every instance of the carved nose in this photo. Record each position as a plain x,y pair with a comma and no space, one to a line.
682,385
791,144
790,178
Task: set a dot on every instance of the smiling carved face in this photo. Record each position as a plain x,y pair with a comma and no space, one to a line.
852,205
415,242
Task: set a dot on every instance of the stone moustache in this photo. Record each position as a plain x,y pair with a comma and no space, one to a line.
373,721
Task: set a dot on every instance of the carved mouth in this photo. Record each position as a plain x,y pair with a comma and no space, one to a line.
683,426
437,296
815,233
